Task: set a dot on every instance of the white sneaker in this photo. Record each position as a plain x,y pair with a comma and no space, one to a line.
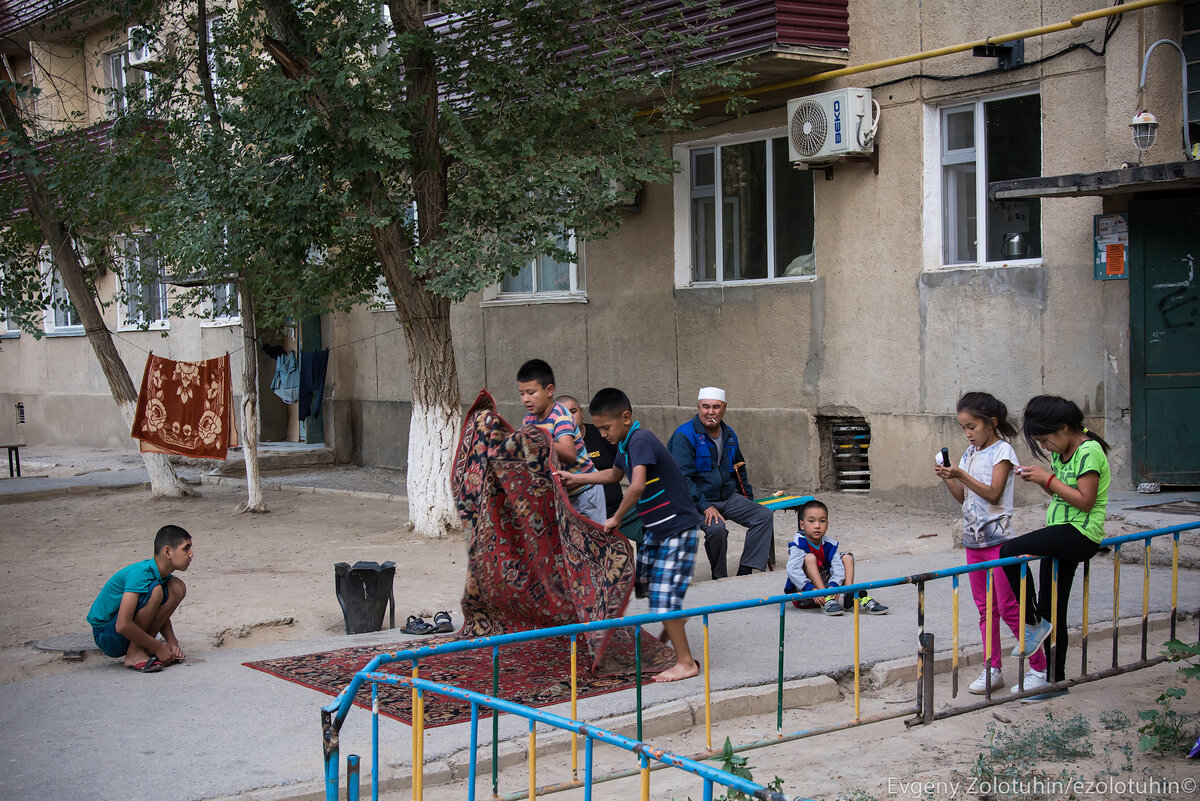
1034,680
980,685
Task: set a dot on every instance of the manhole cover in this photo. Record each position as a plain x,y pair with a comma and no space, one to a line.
68,643
1188,508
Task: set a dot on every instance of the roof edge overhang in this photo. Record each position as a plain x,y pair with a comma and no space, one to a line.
1132,180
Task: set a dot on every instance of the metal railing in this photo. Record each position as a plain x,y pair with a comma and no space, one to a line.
650,759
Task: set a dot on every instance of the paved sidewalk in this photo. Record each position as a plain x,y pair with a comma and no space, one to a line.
214,728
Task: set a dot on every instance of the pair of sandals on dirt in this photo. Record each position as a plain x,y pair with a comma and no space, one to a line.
442,624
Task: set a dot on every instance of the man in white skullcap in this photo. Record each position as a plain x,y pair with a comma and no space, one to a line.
711,460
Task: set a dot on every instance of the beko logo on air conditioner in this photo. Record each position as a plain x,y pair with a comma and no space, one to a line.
837,121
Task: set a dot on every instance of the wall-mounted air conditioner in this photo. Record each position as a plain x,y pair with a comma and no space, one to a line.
827,126
141,49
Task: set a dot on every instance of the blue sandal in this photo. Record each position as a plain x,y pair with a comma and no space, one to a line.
417,625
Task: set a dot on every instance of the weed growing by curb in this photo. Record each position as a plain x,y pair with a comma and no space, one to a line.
1165,731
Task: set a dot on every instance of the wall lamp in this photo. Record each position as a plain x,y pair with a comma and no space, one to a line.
1144,125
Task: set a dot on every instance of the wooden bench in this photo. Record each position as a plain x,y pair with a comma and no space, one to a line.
14,457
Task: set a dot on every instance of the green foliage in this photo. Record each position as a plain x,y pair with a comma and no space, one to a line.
1165,730
98,181
536,126
1177,650
1114,720
1013,753
739,766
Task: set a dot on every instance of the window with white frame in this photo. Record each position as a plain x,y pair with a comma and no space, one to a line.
124,80
212,30
991,139
8,328
225,309
545,275
145,302
762,226
61,315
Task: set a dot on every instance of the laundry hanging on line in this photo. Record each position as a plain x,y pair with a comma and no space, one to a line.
313,366
286,383
186,408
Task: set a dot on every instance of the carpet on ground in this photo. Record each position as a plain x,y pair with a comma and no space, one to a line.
533,562
534,673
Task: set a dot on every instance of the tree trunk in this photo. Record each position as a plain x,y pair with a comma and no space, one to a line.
433,430
254,494
436,402
163,479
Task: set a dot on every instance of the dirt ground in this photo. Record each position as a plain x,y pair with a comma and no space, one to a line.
266,578
887,761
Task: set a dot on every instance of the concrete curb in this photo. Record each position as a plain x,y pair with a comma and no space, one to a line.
277,486
76,489
657,721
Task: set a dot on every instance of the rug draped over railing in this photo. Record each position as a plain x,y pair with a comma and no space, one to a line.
534,562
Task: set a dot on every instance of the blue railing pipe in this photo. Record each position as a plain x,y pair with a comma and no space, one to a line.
588,730
341,705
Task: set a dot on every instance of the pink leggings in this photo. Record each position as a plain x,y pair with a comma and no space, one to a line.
1008,606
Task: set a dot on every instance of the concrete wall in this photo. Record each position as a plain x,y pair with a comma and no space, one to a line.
883,331
64,392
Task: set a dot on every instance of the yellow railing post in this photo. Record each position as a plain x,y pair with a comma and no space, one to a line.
857,712
418,734
1021,629
1116,600
1145,596
1087,583
987,639
1051,672
707,692
574,708
1174,581
953,640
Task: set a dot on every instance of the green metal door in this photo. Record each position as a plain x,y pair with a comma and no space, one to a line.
1164,248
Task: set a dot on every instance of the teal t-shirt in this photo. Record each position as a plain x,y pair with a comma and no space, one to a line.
1088,458
139,577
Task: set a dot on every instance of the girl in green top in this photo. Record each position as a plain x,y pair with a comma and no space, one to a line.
1077,484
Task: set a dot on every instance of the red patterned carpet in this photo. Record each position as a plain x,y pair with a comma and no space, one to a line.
534,673
533,562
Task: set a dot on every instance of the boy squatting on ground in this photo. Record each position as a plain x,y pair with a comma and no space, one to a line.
136,605
535,384
665,507
815,564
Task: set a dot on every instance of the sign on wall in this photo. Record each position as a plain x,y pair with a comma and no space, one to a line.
1110,246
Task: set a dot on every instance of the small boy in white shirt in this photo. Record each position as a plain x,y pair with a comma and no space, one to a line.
815,564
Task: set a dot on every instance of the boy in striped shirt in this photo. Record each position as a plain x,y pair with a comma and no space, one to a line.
672,525
535,383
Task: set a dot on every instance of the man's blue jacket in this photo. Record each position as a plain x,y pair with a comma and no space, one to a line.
696,455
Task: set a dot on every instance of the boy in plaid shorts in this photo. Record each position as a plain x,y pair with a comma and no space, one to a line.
668,515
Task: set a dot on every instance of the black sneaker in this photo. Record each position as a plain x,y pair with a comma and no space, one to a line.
870,606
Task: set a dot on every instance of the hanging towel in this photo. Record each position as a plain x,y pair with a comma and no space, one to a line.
286,382
313,365
186,408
